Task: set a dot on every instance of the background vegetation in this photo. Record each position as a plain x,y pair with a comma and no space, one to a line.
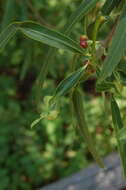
30,158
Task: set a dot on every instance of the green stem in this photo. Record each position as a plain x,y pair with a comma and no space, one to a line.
97,25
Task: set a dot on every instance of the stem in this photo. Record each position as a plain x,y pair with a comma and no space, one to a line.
100,19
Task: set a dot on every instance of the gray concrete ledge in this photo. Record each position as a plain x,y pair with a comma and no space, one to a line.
94,178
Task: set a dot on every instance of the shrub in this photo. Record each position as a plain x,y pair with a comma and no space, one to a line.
95,57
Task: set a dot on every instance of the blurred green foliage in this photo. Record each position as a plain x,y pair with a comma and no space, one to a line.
30,158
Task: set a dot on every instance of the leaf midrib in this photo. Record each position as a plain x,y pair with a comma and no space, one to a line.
55,38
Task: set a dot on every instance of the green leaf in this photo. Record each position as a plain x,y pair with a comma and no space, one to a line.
122,66
69,82
50,37
9,13
109,6
49,112
117,121
51,115
7,34
117,48
121,135
122,78
23,10
81,11
77,99
104,86
35,122
118,125
85,7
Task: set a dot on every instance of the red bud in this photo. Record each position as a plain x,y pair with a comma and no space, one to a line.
83,38
83,44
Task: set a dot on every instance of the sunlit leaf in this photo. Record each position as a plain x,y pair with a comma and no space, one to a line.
49,112
35,122
52,115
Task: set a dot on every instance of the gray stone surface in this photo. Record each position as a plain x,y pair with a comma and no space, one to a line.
94,178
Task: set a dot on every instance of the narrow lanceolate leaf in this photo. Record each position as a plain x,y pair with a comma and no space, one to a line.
122,78
50,37
9,13
23,10
117,48
122,134
69,82
83,127
79,13
84,8
117,121
122,66
109,6
104,86
35,122
7,34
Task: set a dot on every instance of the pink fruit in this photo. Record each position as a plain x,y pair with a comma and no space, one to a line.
84,44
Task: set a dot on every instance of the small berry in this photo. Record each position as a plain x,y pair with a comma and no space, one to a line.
83,38
84,44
